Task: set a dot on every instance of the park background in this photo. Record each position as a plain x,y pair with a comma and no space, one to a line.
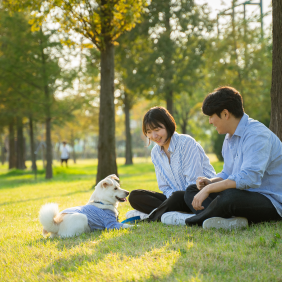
85,72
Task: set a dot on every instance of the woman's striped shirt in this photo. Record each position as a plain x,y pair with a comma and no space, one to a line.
188,161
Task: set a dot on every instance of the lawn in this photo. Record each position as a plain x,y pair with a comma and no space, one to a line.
150,252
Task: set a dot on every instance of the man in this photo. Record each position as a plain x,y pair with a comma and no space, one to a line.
64,154
249,188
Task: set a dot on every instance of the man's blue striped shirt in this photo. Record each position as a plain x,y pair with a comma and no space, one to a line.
253,159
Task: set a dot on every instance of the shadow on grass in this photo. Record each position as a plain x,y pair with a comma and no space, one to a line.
19,172
16,178
41,198
121,244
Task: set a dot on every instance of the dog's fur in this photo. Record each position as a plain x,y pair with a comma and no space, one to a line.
107,195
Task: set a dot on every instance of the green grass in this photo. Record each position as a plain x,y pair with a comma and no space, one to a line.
150,252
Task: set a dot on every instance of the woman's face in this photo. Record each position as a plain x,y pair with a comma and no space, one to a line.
158,135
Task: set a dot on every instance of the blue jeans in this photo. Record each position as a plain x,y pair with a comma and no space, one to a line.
231,202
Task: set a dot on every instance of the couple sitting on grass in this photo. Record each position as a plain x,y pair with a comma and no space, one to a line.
247,190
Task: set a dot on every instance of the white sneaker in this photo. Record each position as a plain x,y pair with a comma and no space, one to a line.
225,223
175,218
134,213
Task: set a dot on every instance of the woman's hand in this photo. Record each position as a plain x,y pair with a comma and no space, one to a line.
202,181
199,198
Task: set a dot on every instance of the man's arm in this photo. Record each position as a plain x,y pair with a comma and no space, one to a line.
204,181
256,152
214,187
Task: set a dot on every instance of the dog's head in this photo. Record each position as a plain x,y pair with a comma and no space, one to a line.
108,191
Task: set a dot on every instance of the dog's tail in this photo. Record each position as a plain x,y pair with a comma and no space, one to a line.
46,216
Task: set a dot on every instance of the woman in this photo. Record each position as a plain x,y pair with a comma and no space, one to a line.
178,159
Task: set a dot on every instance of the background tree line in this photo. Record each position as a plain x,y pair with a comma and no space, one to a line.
104,57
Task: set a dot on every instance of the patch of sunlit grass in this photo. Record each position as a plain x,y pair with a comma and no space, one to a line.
149,252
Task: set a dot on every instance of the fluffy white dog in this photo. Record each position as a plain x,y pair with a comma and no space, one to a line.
99,213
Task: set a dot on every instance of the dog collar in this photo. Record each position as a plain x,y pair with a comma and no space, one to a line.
99,203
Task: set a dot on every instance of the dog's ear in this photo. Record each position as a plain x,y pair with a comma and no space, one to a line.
113,176
107,182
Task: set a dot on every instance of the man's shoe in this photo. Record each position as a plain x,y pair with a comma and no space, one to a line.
175,218
225,223
134,213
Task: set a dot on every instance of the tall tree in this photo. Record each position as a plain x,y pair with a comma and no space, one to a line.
131,77
30,70
177,32
276,86
101,22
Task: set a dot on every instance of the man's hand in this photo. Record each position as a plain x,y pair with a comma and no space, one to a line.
199,198
202,181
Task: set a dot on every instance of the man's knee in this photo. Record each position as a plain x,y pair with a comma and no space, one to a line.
133,196
176,196
189,194
232,194
192,188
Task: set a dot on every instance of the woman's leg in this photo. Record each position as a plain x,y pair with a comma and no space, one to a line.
145,201
234,202
174,203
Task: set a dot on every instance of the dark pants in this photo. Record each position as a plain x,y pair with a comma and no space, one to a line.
146,201
231,202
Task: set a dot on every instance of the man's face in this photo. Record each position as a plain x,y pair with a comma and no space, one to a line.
220,124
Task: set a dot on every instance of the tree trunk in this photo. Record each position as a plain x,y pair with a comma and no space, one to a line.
32,147
73,150
169,71
3,151
128,145
49,171
169,102
84,148
183,126
12,151
276,86
106,144
20,145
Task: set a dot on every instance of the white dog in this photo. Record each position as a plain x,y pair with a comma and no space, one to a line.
99,213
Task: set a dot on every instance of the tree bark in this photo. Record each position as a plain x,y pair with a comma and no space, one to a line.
12,151
32,147
84,148
168,60
49,172
2,150
106,144
73,150
169,102
20,145
128,145
276,85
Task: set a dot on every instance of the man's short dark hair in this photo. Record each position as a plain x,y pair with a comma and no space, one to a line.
157,116
224,98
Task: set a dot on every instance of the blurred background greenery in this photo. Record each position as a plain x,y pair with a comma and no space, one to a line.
173,55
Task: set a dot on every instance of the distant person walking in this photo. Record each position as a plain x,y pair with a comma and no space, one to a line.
64,154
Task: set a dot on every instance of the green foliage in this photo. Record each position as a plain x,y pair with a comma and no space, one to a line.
175,36
239,57
217,141
101,21
29,69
